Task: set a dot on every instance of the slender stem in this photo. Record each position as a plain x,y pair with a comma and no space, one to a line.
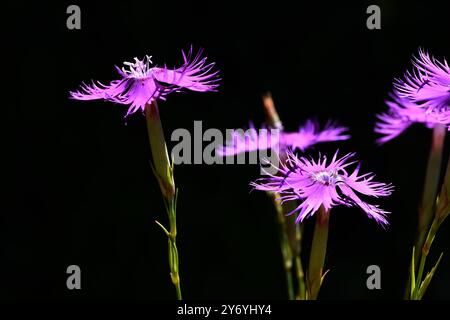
174,274
423,258
289,230
174,261
298,260
287,264
163,172
441,212
427,206
284,245
318,252
428,203
300,278
443,203
290,284
289,234
294,235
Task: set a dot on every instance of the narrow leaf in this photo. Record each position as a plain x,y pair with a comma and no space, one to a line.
427,280
413,274
162,227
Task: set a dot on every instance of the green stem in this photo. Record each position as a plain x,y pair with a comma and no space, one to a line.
174,274
300,277
284,245
318,252
174,261
441,211
294,234
163,172
290,284
443,202
428,202
289,231
289,234
427,206
423,257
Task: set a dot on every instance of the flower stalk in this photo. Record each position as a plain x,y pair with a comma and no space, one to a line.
428,208
428,204
163,171
289,232
140,86
318,251
284,245
419,287
422,96
443,201
298,261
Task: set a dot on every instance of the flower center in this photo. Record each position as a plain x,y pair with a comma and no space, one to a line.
138,69
326,177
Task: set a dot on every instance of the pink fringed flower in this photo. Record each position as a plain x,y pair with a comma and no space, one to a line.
402,113
317,184
141,84
428,84
308,135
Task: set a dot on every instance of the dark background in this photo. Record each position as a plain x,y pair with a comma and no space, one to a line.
83,192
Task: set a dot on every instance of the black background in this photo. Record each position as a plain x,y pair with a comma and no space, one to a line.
83,192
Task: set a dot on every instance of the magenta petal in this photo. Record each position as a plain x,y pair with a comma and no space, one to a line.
402,113
325,183
141,84
428,84
308,135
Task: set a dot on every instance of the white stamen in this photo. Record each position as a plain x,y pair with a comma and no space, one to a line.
326,177
138,69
